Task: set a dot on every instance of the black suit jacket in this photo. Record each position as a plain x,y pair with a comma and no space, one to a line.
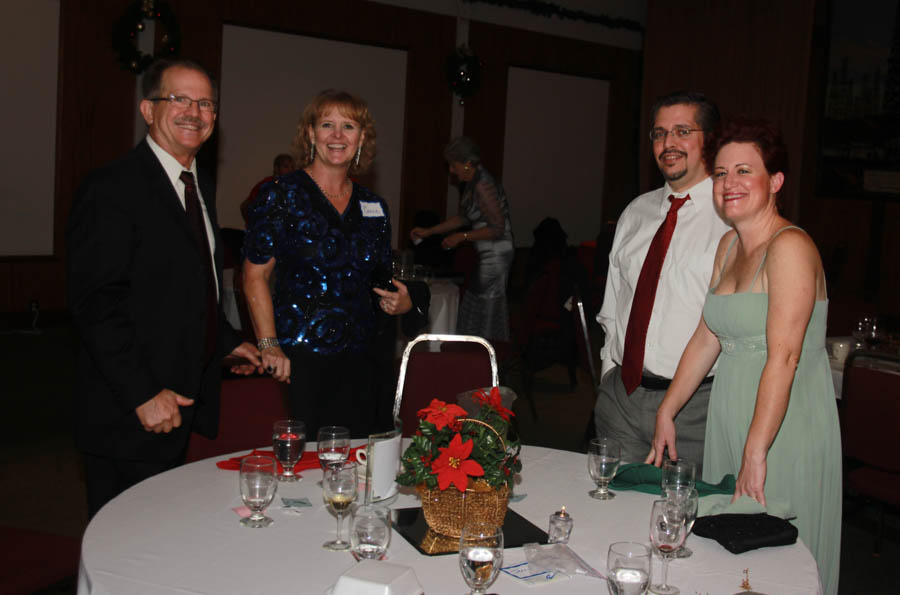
136,293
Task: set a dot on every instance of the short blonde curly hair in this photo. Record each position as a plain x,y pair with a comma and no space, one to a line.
351,106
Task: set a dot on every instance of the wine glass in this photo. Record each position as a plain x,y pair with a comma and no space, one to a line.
874,333
339,485
480,555
603,461
258,487
333,445
370,533
861,329
667,535
677,473
628,568
690,499
288,442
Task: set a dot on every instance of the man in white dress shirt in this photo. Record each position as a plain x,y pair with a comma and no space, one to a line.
626,410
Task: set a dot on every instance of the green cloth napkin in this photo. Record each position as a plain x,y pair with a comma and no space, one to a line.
646,478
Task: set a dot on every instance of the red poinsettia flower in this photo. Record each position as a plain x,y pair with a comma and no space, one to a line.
454,466
494,400
440,413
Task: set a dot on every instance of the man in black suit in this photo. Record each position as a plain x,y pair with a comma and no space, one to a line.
145,280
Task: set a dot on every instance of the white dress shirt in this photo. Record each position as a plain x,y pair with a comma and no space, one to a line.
683,281
173,170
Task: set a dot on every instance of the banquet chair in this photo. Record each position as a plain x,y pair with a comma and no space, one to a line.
34,560
427,375
870,416
247,408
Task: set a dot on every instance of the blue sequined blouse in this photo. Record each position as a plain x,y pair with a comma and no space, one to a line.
324,262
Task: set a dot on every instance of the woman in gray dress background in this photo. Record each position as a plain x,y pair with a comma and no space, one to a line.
484,216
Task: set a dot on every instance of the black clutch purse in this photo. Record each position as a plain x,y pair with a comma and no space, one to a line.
739,533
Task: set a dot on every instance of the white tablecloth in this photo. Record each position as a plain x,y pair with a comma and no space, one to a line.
176,533
442,312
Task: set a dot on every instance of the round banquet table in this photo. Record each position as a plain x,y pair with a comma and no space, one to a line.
177,533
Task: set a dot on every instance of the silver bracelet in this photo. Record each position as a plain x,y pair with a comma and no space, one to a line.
267,342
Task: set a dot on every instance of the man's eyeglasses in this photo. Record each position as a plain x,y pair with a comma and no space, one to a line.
183,102
658,134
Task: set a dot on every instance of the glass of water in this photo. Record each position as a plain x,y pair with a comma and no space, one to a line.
370,534
333,446
258,487
628,568
480,555
690,499
603,461
677,473
288,442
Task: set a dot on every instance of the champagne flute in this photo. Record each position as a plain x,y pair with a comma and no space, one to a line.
690,499
603,461
258,487
677,473
666,535
333,446
370,533
480,555
288,442
628,568
340,486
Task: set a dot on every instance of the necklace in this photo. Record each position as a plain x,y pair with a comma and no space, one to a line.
340,195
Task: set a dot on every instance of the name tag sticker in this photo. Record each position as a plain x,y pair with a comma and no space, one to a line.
371,209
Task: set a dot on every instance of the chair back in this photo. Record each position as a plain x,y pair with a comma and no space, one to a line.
427,375
870,409
247,409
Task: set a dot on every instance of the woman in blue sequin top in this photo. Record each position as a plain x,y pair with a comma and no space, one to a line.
327,239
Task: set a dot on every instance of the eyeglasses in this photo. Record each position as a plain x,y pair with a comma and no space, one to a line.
183,102
658,134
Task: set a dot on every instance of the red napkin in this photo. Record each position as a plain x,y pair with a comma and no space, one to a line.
309,460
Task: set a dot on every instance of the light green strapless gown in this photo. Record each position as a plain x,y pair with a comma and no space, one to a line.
804,462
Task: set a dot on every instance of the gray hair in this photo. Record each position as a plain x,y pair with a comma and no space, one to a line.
462,150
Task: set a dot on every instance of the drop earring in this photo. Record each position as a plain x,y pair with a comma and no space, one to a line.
312,151
358,152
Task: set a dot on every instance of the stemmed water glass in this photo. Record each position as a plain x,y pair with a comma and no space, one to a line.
666,535
628,568
603,461
258,487
690,499
370,532
480,555
677,473
288,442
333,445
340,486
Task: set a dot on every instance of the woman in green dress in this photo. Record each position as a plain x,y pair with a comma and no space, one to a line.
772,417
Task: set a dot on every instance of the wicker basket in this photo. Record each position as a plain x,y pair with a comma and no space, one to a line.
446,511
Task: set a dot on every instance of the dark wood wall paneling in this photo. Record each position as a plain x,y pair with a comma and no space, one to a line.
768,59
96,101
485,112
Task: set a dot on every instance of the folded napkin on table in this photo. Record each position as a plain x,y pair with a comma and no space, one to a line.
309,460
646,478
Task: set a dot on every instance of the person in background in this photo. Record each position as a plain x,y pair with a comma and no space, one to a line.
484,208
145,288
772,420
282,165
659,270
327,241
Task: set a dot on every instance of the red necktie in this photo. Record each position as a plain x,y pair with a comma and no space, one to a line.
198,225
644,296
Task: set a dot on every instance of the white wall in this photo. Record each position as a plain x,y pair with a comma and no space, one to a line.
266,82
29,39
554,152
